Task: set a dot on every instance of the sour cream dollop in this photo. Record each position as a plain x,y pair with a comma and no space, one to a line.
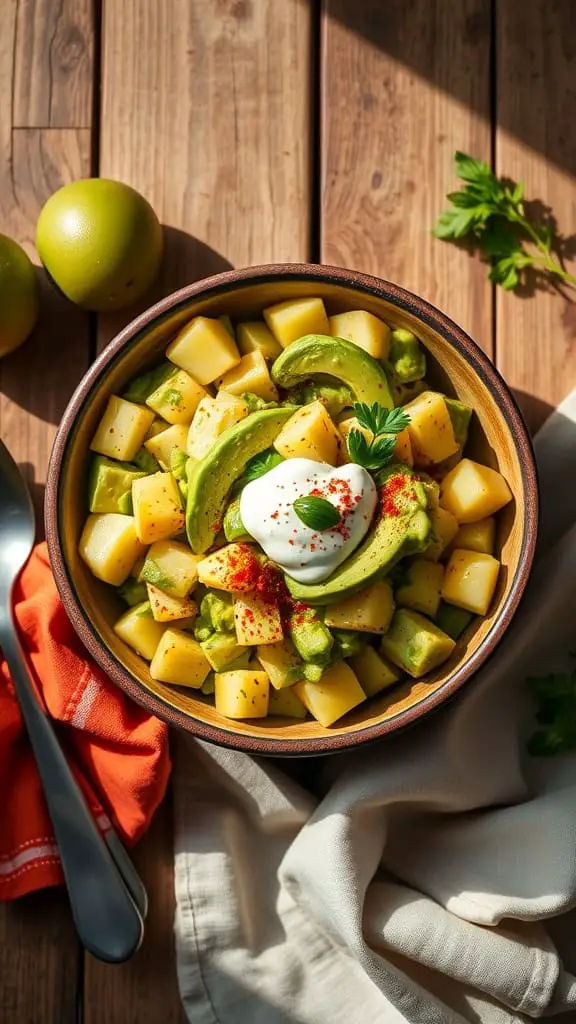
307,555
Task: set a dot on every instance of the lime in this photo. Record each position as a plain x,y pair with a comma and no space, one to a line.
100,242
18,295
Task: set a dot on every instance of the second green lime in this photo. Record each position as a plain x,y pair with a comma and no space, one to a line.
100,242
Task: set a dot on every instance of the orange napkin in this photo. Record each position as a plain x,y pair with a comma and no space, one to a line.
118,752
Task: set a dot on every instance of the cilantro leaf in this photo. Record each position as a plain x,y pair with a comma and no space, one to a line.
379,420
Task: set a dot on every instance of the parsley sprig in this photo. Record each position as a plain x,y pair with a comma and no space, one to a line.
383,425
556,714
490,213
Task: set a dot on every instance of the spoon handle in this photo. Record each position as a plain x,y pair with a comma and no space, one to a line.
106,917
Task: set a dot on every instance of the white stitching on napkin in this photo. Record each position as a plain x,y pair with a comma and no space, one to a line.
8,867
86,703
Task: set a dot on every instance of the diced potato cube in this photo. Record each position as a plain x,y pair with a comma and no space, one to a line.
370,610
254,336
122,429
171,566
212,417
444,529
294,318
281,663
138,565
205,349
139,630
234,403
179,660
166,608
363,329
286,704
242,694
415,644
158,511
162,445
177,399
402,448
477,536
337,693
109,545
373,671
221,650
234,568
310,434
471,491
256,621
470,581
431,431
250,375
423,586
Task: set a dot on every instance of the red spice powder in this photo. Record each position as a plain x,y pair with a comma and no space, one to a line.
245,569
392,490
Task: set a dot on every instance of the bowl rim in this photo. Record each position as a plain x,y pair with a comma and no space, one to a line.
406,301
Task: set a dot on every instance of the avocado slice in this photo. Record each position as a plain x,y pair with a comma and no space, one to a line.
460,415
342,360
110,485
234,528
311,637
210,479
391,537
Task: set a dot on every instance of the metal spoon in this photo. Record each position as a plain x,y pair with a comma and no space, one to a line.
107,898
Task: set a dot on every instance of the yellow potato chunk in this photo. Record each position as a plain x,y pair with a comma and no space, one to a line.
212,417
286,704
254,336
421,590
294,318
430,429
179,660
256,621
242,693
110,546
170,566
280,662
470,580
122,429
310,434
250,375
158,511
477,536
471,491
374,672
177,399
370,610
337,693
163,444
363,329
204,348
444,529
139,630
233,568
403,448
166,608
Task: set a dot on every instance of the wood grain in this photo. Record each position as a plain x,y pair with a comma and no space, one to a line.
401,91
54,64
536,144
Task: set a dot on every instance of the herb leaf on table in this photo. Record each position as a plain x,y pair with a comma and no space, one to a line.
556,714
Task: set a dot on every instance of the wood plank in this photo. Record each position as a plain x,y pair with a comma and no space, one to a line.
535,143
401,91
206,111
39,951
54,64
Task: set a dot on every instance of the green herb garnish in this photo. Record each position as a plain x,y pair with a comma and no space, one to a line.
556,696
317,513
260,464
490,213
383,424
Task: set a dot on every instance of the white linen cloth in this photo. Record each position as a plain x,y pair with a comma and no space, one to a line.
416,884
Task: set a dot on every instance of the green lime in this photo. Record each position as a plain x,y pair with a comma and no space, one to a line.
18,295
100,242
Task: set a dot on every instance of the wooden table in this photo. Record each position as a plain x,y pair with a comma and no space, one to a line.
266,130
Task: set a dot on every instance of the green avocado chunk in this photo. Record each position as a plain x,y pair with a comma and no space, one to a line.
311,638
334,397
218,611
406,358
343,361
210,479
234,528
146,462
133,592
452,620
221,650
390,538
110,485
415,644
460,415
142,387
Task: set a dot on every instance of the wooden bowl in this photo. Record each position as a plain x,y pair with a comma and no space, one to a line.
456,365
